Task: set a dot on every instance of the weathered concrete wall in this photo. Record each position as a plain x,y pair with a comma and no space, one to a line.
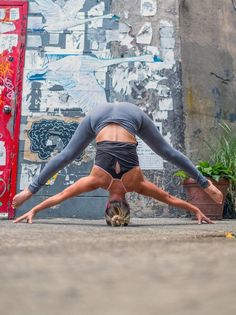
88,62
209,62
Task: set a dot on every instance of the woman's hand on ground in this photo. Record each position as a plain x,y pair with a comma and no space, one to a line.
201,218
28,216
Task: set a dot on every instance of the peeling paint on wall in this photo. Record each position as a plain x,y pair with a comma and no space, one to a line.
28,171
2,153
166,104
148,160
34,41
90,58
8,41
80,83
148,7
144,35
6,27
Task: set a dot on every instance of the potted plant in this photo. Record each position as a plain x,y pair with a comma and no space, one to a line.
221,170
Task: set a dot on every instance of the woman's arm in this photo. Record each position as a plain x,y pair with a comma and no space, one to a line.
149,189
83,185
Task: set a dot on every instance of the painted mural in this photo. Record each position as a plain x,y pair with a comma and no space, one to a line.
81,53
13,18
47,136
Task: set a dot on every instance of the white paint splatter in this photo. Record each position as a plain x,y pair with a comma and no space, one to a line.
34,41
148,7
126,40
165,23
144,35
33,7
167,39
28,171
59,19
147,158
151,85
81,83
33,60
75,40
167,47
160,115
2,13
8,41
112,35
35,22
167,137
53,38
97,9
2,153
126,14
166,104
14,14
6,27
152,50
163,90
95,45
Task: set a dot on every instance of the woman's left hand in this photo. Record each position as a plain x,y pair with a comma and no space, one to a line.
202,218
28,216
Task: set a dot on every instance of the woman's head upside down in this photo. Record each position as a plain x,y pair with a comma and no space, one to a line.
117,213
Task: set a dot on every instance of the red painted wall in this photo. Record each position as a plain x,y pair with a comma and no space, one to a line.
13,23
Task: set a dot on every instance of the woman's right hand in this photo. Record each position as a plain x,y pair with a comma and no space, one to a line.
28,216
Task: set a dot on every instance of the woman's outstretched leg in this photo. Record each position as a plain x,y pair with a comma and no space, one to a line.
147,188
79,141
83,185
150,135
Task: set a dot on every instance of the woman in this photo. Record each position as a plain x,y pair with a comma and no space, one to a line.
116,166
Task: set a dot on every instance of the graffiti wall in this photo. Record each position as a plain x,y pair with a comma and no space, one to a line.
13,20
80,54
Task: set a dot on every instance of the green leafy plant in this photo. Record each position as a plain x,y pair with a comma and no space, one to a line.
222,161
181,174
215,171
224,152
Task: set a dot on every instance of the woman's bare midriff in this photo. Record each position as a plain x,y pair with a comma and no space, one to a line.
114,132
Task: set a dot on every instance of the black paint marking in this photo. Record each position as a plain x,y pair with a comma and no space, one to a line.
35,96
224,81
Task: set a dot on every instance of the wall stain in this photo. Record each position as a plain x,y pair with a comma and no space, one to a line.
234,4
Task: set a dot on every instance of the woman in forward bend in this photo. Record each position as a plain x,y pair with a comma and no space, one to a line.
116,167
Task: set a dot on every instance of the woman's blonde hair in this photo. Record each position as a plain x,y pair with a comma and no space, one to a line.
117,213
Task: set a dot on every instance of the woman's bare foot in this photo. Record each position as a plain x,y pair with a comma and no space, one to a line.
214,193
20,198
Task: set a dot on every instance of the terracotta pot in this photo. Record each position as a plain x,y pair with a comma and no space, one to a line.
199,198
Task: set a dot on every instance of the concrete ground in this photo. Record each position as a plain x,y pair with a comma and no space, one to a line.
154,266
